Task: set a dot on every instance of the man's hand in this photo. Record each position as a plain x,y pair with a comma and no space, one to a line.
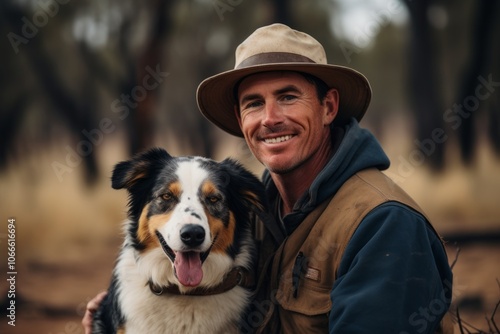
92,306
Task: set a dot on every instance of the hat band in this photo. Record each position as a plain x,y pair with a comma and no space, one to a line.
273,58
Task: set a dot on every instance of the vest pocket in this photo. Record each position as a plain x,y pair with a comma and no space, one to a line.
310,297
308,312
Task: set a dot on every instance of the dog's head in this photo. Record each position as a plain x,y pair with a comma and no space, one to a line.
190,207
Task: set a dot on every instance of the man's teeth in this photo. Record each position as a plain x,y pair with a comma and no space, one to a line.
277,139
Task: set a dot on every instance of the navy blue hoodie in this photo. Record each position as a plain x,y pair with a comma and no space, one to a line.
393,277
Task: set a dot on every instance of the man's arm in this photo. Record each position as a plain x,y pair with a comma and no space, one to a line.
394,276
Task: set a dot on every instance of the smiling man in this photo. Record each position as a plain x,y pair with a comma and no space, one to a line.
348,251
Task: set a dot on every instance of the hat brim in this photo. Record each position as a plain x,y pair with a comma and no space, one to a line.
216,101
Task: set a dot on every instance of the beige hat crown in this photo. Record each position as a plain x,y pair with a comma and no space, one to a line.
280,39
279,48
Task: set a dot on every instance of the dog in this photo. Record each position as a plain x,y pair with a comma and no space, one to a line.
188,259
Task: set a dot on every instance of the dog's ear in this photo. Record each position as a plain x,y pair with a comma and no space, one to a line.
245,186
127,173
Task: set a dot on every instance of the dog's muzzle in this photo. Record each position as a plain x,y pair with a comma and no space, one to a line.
187,264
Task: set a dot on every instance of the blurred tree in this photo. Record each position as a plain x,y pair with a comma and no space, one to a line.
424,88
76,111
141,123
281,12
471,38
479,65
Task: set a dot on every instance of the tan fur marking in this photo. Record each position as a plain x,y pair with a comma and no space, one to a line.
134,178
143,229
120,330
208,188
225,235
148,227
156,221
254,199
176,189
139,172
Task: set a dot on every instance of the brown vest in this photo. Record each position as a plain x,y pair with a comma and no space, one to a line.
301,292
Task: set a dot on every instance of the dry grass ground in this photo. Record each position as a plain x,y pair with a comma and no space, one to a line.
68,235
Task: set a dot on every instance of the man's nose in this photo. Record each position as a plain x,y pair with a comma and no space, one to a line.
272,114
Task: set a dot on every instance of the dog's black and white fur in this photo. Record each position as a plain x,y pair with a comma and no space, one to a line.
189,225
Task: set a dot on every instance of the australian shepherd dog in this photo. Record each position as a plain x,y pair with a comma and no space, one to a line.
187,261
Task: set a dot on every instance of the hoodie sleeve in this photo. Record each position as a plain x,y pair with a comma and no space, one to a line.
394,276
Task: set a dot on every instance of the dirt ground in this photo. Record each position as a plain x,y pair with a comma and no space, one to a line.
68,236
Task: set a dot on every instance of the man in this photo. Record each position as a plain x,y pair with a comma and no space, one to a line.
348,250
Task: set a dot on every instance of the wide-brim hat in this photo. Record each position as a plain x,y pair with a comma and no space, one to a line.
279,48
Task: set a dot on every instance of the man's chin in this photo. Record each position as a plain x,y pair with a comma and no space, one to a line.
283,167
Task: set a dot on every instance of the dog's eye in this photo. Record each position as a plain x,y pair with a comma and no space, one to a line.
214,199
167,196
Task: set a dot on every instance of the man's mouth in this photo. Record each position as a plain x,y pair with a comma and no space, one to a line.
278,139
187,265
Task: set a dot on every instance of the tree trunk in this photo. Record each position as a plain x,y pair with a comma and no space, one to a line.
424,83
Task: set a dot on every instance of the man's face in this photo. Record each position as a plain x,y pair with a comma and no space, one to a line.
284,123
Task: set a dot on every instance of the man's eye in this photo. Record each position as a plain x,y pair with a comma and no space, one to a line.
289,98
252,105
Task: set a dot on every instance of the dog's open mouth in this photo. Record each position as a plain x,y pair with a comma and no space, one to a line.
187,265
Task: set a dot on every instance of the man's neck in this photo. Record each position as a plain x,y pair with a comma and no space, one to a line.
291,188
294,184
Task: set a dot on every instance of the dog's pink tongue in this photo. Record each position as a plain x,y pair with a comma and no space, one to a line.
188,268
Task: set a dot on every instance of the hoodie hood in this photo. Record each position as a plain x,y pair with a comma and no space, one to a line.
357,150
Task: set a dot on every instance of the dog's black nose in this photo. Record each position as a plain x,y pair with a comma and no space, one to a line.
192,235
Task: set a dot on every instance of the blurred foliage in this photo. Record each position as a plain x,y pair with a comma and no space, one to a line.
68,65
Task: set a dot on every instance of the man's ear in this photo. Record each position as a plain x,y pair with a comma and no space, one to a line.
331,104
